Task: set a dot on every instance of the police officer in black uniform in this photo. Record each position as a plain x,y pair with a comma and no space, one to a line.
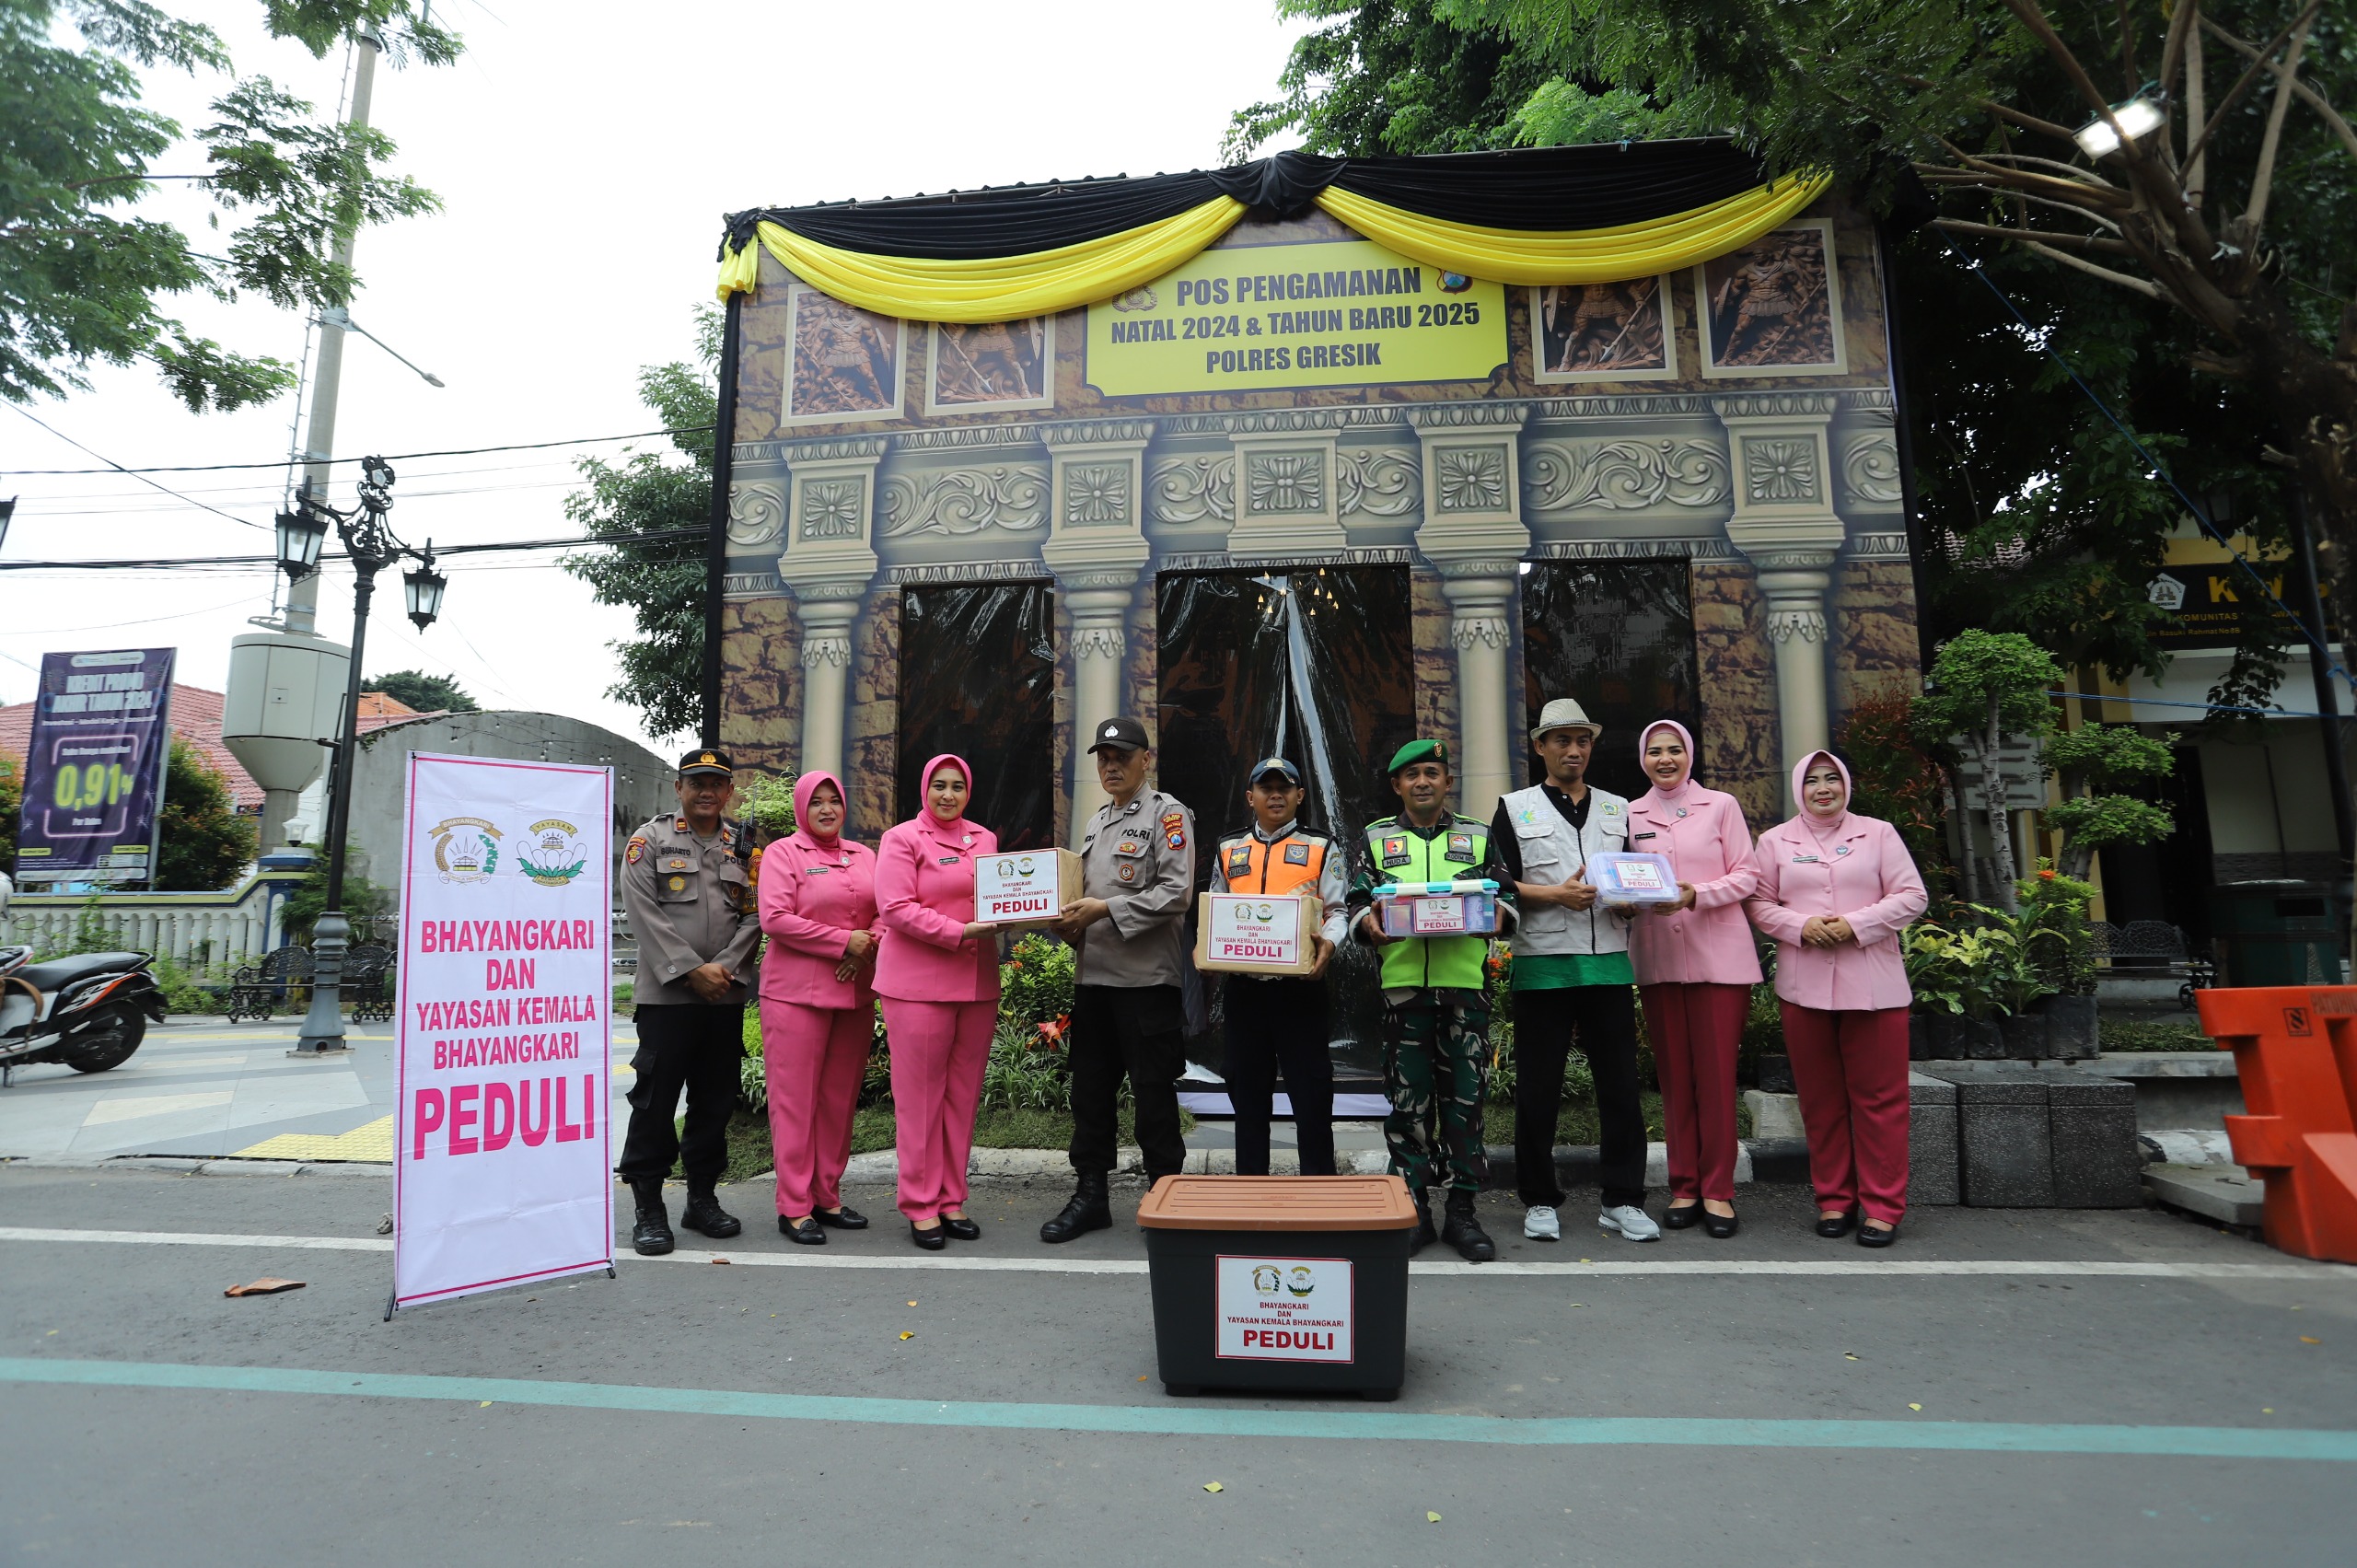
689,899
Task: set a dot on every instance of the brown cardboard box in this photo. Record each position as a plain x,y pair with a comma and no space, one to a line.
1256,933
1021,888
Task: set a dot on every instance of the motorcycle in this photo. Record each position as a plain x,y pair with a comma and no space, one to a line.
88,1012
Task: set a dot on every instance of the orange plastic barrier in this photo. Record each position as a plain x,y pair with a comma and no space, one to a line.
2295,1048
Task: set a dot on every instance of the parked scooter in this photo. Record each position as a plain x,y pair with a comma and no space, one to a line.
88,1011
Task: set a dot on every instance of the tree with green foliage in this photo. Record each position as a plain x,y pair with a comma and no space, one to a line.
1987,688
427,694
85,278
661,583
2095,763
202,843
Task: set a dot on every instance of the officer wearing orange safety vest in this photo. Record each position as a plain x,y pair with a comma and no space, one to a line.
1277,1021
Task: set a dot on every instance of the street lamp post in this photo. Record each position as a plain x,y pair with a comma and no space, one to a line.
368,540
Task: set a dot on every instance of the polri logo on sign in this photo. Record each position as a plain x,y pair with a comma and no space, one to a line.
1283,1309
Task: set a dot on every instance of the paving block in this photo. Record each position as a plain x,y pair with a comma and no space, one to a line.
1774,1115
2098,1162
1931,1173
2007,1151
2225,1193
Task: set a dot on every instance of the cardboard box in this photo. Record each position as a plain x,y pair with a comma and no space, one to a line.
1025,888
1256,933
1437,909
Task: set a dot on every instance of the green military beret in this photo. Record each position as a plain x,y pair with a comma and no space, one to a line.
1417,751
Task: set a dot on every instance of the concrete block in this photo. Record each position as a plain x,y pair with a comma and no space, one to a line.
2007,1152
1932,1169
2225,1193
1774,1115
2098,1162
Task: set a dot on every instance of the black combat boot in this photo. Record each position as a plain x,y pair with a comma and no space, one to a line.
703,1213
652,1235
1462,1229
1088,1210
1424,1235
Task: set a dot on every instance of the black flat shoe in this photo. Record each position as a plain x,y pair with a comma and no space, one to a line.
931,1240
960,1228
807,1234
1837,1226
1720,1227
1685,1218
1869,1237
844,1218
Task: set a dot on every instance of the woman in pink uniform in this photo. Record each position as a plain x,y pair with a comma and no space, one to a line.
1696,966
817,903
938,976
1835,891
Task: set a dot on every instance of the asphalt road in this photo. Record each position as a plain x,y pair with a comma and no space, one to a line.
771,1411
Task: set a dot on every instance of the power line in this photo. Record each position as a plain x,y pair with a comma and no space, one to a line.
655,535
389,457
117,467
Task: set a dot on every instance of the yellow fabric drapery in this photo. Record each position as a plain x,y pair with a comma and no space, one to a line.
1576,256
994,288
1008,288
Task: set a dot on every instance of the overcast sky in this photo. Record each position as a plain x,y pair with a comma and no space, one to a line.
583,153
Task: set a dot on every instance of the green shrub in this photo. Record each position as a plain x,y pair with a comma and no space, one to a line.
1037,982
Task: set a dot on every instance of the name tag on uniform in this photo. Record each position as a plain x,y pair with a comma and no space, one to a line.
946,860
1643,835
1804,860
1296,854
1394,852
816,870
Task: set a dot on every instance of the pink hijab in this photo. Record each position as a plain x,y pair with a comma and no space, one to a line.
1677,792
1825,828
924,788
804,787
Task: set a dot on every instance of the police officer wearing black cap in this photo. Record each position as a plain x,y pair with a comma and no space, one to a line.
1137,876
1276,1021
689,899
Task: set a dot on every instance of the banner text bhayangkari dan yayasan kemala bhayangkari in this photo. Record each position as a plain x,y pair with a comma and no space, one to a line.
1330,314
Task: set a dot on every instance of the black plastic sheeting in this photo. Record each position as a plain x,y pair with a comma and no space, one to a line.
1618,635
1543,189
978,674
1313,665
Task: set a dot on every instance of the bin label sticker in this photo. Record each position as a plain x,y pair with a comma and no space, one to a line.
1283,1309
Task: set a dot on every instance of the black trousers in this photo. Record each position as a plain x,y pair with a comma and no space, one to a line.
699,1047
1139,1030
1604,1017
1273,1023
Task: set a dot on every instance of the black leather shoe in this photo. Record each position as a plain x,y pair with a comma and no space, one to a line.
844,1218
1462,1229
1686,1219
651,1236
807,1234
1837,1226
1720,1227
1089,1209
1426,1235
960,1228
931,1240
1869,1237
703,1213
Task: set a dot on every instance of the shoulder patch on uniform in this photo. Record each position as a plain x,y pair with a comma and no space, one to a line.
1174,828
1460,847
636,851
1239,859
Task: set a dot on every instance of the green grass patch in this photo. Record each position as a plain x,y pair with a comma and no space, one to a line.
2151,1034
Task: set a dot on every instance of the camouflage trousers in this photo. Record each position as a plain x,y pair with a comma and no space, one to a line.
1435,1072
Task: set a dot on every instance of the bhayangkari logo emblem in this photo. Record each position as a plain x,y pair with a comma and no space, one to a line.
466,849
555,856
1302,1280
1268,1279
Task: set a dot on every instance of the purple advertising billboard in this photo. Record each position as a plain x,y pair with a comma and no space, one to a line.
94,769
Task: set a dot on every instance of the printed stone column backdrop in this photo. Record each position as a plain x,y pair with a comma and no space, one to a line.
871,755
1875,650
1428,621
1741,742
761,675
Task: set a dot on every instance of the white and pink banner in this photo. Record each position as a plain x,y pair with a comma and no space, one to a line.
500,1172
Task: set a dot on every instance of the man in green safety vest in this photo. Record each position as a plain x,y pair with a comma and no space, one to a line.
1436,1017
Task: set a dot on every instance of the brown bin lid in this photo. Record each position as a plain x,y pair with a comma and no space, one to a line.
1277,1202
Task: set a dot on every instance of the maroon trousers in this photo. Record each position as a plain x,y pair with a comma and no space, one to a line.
1850,1069
1694,1030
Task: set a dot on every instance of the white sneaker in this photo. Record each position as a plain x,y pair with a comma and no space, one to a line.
1633,1223
1538,1224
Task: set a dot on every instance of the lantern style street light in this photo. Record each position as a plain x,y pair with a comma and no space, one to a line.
370,543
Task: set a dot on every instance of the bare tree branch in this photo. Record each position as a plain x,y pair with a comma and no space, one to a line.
2068,171
2308,95
2027,121
1996,231
2134,285
2262,184
2183,20
2243,84
2032,16
2070,207
2196,100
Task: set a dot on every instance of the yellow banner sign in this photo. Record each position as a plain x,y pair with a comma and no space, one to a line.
1331,313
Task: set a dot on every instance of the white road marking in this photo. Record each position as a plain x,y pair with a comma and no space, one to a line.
1902,1268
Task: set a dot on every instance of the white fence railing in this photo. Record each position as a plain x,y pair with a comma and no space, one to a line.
201,931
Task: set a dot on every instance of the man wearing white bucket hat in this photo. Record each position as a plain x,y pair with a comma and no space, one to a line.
1571,977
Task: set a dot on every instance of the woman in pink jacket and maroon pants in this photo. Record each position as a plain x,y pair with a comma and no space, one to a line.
817,903
1835,891
1696,966
938,976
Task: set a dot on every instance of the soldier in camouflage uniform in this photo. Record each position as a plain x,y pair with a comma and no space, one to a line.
1436,1019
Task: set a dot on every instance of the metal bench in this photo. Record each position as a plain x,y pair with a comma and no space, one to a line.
256,990
368,982
2153,949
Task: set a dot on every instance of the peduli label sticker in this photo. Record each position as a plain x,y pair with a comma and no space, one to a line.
1283,1309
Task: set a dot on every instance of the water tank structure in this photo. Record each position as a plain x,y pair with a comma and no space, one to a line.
285,695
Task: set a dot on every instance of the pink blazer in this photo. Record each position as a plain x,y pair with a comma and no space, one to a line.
1864,876
925,895
1710,847
811,900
